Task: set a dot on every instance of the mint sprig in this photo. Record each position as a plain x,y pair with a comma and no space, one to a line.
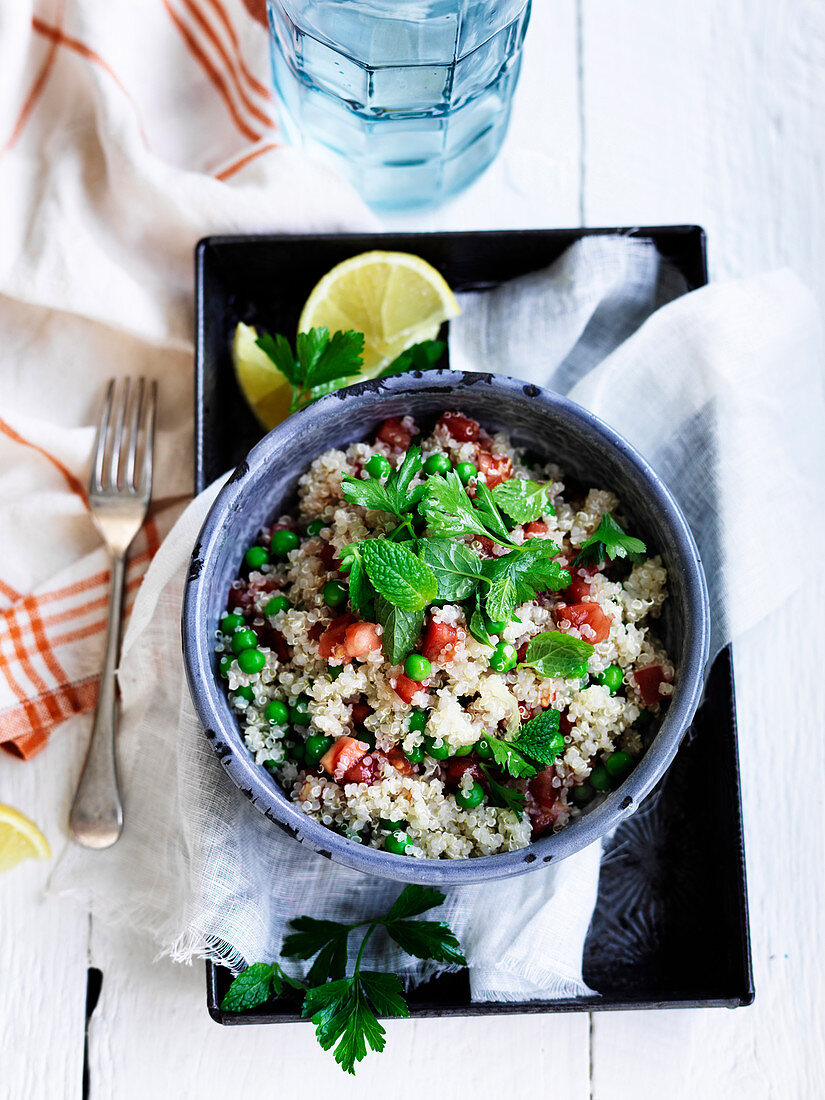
345,1009
558,655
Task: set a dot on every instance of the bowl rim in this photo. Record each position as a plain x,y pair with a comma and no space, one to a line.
219,723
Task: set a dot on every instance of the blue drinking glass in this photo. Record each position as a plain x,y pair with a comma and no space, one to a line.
410,99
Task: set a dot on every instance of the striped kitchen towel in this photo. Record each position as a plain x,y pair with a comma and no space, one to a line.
127,132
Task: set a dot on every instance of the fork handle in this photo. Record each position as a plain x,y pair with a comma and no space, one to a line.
96,818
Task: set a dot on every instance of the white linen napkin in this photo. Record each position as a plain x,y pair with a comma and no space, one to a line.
207,874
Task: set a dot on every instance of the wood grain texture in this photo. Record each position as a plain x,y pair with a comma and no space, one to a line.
43,1003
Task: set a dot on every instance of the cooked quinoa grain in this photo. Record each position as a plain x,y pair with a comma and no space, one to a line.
373,753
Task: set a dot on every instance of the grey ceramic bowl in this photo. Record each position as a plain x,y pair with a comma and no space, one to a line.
585,447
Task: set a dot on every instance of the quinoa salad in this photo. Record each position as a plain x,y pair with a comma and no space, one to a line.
445,650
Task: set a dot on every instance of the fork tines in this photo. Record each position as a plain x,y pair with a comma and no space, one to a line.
122,458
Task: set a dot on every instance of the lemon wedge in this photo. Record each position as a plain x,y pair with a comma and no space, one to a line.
20,839
264,386
394,298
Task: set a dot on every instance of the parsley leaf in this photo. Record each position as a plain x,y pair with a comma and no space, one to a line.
478,627
421,356
319,361
255,985
401,629
523,500
609,541
449,512
398,575
414,900
520,575
507,756
427,939
393,495
487,508
311,935
555,654
361,592
386,993
457,569
504,796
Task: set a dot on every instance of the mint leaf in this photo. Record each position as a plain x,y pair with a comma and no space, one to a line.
609,541
361,592
478,628
456,568
539,738
555,654
414,900
421,356
252,987
401,629
427,939
501,600
523,500
398,575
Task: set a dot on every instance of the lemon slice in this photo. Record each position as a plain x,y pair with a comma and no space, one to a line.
264,386
19,839
394,298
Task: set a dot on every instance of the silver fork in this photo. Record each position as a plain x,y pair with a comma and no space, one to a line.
120,487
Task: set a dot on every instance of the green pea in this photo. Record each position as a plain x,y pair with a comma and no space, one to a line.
226,664
437,752
283,542
466,471
378,466
483,749
276,604
276,712
334,671
334,594
416,754
611,678
418,668
464,750
397,843
503,657
600,778
315,527
315,747
470,798
390,826
243,639
619,764
582,794
418,721
295,751
246,692
251,661
437,464
494,626
299,712
231,621
256,556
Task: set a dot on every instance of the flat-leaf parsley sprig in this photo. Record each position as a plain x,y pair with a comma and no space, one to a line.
345,1009
609,540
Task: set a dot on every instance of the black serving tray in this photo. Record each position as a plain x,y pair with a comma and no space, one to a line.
670,928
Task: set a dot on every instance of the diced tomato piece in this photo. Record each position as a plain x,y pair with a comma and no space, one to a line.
647,681
525,711
496,468
486,546
359,711
317,629
398,758
394,434
327,556
361,639
364,770
407,688
535,528
578,590
565,725
275,640
439,641
461,428
589,619
456,767
342,754
541,821
333,638
240,599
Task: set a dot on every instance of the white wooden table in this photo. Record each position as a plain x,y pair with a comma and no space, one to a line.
629,113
